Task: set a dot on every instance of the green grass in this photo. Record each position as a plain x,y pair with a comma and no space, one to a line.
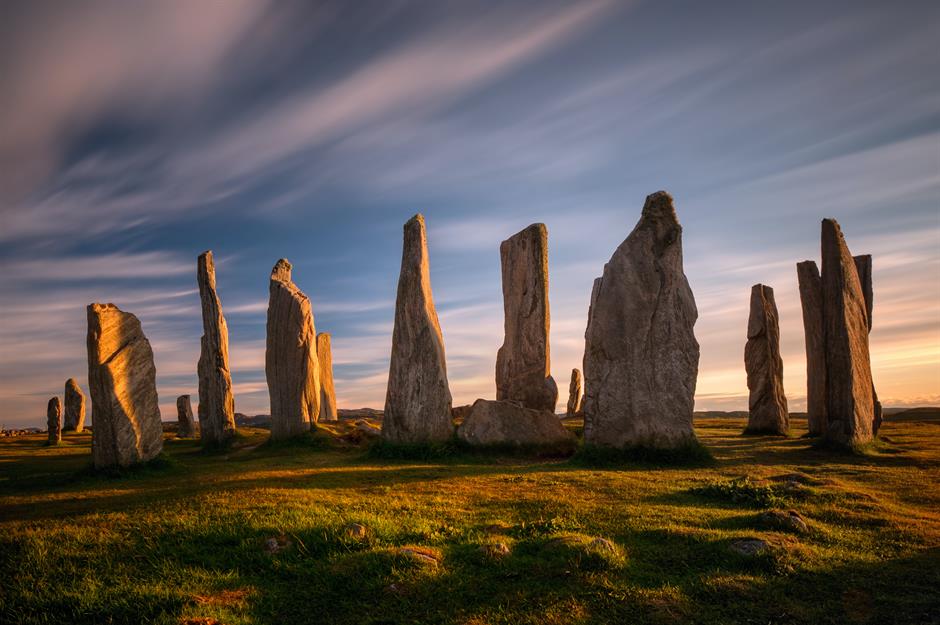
470,538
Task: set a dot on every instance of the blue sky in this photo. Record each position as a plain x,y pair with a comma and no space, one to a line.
137,135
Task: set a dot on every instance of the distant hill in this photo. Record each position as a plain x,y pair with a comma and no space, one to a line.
924,413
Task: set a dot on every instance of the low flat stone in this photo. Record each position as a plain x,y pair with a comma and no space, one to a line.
749,546
497,423
784,519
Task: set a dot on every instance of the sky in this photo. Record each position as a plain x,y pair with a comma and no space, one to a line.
134,136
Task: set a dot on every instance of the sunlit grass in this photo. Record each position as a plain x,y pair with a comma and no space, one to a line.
454,538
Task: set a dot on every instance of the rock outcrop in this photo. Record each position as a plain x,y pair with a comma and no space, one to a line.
125,412
54,421
574,393
767,404
849,400
216,402
863,266
641,356
811,301
418,400
327,391
186,426
510,424
523,363
74,415
291,364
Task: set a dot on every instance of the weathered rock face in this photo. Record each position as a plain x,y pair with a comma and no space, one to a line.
216,402
186,427
849,400
811,301
125,412
418,400
54,421
767,404
291,364
508,423
74,417
641,356
574,393
327,391
523,363
863,266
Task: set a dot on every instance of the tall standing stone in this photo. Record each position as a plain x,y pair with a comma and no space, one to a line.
125,412
641,356
290,361
74,416
523,363
863,266
54,421
327,390
767,404
216,402
574,393
807,274
186,426
418,400
849,400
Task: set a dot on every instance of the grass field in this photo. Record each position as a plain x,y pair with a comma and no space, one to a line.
264,534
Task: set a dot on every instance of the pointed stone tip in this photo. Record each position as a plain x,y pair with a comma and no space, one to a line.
323,334
206,254
282,270
97,307
660,206
762,288
416,220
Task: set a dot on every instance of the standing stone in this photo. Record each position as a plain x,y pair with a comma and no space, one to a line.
54,421
574,393
641,356
216,403
327,391
523,363
417,401
74,417
290,361
186,427
125,412
807,274
849,401
863,266
767,404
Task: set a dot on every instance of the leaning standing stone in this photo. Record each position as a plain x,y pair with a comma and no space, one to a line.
863,266
290,361
641,356
574,393
807,274
74,417
54,421
125,412
849,401
216,402
767,404
417,401
186,426
523,363
327,390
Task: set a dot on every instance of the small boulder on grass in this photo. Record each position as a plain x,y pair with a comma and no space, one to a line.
784,519
587,553
496,550
749,547
425,556
356,531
